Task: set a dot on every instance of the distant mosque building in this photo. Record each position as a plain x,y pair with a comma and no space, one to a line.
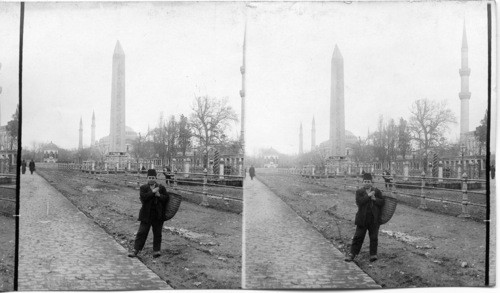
121,137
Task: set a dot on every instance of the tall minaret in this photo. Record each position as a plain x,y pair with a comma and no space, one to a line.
301,140
117,127
92,135
80,140
337,115
464,92
242,91
313,135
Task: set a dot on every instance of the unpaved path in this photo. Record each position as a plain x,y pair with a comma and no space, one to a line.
416,248
201,247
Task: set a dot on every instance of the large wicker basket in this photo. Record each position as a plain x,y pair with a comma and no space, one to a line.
388,209
174,202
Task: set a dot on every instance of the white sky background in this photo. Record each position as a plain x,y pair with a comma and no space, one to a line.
9,57
173,51
394,54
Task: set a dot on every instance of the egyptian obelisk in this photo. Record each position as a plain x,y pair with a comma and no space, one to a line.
117,129
337,115
464,94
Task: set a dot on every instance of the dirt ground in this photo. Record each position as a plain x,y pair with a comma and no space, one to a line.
201,247
416,248
7,250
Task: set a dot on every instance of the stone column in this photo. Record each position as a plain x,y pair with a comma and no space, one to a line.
405,171
221,168
187,164
459,170
440,171
128,166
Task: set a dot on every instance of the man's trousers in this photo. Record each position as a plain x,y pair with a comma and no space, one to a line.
359,236
142,235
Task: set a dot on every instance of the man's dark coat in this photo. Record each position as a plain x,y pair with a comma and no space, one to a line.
149,201
364,203
252,171
32,166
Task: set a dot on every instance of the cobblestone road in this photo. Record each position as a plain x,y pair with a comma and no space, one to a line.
61,249
284,251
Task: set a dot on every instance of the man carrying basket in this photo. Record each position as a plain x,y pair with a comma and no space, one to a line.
154,199
370,202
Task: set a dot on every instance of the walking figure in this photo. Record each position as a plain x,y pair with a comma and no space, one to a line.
168,175
369,201
23,166
154,199
32,166
387,178
251,171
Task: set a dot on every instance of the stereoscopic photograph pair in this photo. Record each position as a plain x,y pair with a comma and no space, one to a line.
247,145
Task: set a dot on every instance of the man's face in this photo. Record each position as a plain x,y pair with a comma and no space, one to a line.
151,181
367,183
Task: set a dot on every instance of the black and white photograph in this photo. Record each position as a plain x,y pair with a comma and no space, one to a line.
367,145
268,145
9,126
132,146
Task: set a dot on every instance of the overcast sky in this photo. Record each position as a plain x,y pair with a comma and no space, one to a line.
173,51
394,54
9,58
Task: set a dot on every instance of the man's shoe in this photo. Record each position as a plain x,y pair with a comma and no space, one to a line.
373,258
133,253
350,257
156,254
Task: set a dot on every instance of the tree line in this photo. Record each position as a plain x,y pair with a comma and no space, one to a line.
206,127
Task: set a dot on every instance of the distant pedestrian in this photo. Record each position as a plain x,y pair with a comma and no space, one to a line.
251,171
154,199
168,175
32,166
23,166
492,170
369,201
387,178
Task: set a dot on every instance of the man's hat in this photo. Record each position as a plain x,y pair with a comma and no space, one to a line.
367,176
151,174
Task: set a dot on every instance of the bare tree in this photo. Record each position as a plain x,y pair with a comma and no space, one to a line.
172,133
139,148
404,138
184,134
429,121
13,129
209,120
160,138
481,133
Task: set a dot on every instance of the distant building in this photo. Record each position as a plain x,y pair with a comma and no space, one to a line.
50,153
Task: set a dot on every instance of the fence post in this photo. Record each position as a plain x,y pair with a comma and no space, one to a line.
440,171
221,168
423,203
405,171
204,200
393,183
465,198
345,181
